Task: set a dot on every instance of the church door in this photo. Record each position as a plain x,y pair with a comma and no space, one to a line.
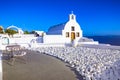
72,36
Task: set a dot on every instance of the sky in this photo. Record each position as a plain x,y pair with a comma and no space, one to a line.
96,17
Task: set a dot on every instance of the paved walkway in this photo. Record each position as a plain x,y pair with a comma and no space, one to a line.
38,67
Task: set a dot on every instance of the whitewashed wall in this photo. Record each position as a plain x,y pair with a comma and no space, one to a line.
55,39
48,45
70,23
94,43
67,28
25,35
21,40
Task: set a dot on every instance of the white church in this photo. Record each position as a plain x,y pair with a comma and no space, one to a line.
61,34
64,33
68,32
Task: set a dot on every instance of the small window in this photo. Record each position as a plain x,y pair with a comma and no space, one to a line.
72,28
67,34
77,34
73,17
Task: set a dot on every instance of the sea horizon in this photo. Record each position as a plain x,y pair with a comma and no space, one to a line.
106,39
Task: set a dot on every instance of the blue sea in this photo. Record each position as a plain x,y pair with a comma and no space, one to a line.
113,40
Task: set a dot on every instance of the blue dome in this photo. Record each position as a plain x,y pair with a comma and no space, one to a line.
56,29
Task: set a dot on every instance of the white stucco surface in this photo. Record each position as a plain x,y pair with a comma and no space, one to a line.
55,39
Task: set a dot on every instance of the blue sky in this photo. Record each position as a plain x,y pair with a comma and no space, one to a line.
96,17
